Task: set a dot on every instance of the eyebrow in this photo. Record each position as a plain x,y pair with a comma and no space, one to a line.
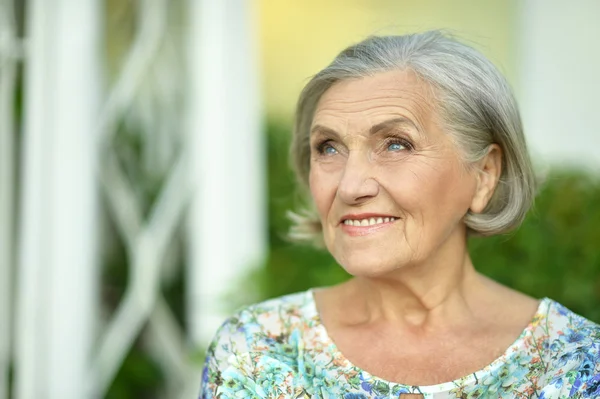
400,121
395,122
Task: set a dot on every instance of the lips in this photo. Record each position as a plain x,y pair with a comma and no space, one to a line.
366,224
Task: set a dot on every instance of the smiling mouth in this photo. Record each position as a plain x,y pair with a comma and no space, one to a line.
368,221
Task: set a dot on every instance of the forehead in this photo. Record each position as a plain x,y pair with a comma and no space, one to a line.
361,103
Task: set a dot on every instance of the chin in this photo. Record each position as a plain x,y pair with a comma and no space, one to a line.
368,265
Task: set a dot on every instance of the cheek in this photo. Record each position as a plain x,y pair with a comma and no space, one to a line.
456,187
323,187
425,188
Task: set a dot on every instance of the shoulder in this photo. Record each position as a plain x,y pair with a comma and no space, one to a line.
256,338
573,331
572,349
255,326
275,316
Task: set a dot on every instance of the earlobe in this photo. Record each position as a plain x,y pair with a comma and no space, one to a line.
488,175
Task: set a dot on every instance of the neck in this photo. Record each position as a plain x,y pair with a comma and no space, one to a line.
430,294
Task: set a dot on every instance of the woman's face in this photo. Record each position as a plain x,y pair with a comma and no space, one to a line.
388,182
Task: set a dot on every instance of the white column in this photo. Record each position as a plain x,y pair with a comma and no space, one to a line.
559,80
227,223
8,63
57,264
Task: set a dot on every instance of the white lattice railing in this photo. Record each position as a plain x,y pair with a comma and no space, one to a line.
145,240
69,159
56,293
228,214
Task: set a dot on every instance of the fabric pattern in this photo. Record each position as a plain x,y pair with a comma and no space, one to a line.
280,349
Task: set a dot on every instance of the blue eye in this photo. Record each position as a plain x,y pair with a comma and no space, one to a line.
325,148
396,147
329,150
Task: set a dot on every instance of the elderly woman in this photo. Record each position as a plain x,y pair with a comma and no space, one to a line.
408,145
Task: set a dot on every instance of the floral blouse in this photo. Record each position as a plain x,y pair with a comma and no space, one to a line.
280,349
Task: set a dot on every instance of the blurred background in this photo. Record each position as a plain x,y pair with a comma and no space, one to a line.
144,176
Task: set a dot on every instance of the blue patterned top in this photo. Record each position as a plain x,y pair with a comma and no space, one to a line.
280,349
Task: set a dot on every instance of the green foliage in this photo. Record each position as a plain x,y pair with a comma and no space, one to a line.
555,253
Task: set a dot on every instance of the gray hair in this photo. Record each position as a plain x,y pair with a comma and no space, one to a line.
474,100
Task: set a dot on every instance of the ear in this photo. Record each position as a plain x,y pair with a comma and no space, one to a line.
488,174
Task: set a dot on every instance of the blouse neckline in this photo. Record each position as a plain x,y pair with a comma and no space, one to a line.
519,343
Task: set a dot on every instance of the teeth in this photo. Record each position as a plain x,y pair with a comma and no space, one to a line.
368,222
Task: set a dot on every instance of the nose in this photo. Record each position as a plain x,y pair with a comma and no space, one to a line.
357,185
